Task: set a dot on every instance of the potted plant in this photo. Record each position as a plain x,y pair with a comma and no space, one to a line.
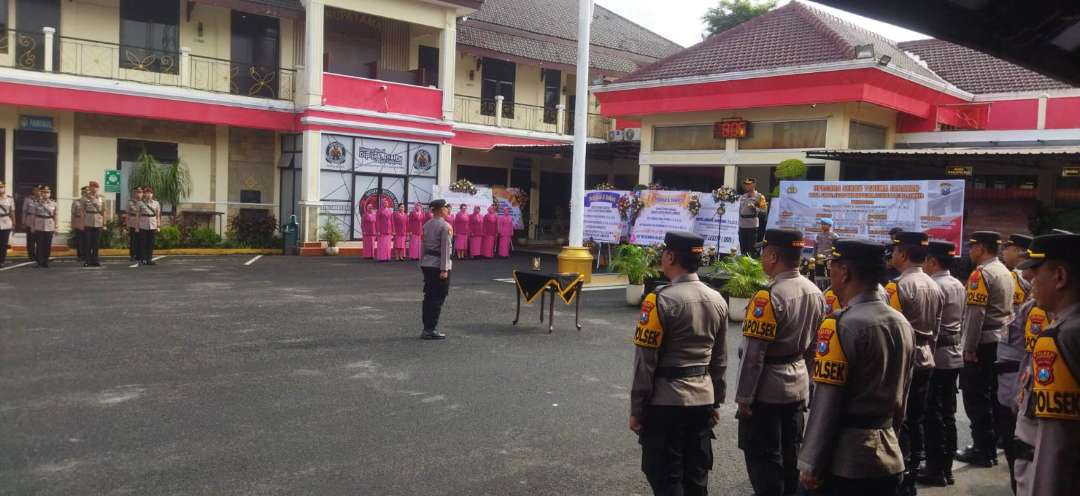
636,263
332,235
171,181
745,277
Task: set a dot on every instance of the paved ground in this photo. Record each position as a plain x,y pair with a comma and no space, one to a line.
304,376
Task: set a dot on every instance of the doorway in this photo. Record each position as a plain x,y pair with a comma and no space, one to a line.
35,163
255,47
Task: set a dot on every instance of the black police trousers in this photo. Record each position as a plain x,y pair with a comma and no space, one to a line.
80,242
42,247
940,424
1005,426
145,251
5,238
31,244
911,431
435,291
770,439
91,244
979,384
747,240
133,243
842,486
676,449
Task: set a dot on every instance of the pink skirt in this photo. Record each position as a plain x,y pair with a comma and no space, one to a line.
504,246
461,242
383,252
415,243
476,246
399,241
369,246
489,246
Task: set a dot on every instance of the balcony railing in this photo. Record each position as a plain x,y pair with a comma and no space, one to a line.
81,57
500,113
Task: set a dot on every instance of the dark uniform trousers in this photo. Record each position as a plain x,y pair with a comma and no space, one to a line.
5,238
91,244
31,244
145,251
1005,425
940,421
841,486
911,431
435,291
133,243
676,447
770,439
80,244
979,384
42,246
747,238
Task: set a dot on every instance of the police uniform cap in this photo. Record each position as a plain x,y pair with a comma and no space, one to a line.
94,184
988,238
84,189
1052,247
782,238
749,180
910,238
826,220
858,250
1021,240
941,249
147,189
684,241
440,203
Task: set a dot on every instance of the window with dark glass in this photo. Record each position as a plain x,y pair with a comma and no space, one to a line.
780,135
255,45
866,136
552,92
677,138
3,27
149,36
498,80
429,66
31,16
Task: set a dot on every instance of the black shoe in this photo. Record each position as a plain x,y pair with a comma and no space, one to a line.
934,478
949,478
96,264
976,457
150,262
430,335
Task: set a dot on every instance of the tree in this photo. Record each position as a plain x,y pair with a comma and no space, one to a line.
731,13
171,182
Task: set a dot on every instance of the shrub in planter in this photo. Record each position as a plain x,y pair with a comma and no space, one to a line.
332,235
203,237
636,263
167,237
253,231
745,277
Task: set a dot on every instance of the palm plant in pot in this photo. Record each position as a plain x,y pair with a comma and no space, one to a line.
745,277
636,263
332,235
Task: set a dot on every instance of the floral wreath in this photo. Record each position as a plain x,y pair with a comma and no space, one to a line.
522,198
725,194
604,187
694,205
463,186
629,206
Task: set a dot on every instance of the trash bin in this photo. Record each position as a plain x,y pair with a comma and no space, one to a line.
290,235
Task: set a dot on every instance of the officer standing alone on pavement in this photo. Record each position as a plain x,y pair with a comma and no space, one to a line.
989,311
940,420
679,364
862,371
436,264
132,224
1048,427
751,203
919,298
773,383
149,220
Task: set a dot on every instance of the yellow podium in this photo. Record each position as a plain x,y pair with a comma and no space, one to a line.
576,259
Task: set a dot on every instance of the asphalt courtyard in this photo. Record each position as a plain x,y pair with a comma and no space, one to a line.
268,376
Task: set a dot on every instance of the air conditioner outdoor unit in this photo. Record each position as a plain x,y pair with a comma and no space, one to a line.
615,135
632,134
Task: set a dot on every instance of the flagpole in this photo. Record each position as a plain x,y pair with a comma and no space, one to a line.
575,257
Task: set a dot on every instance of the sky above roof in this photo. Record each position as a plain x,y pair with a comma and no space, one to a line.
684,26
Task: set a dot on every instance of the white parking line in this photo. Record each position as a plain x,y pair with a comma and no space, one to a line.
24,264
155,259
249,262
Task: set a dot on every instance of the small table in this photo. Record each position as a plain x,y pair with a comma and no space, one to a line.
565,286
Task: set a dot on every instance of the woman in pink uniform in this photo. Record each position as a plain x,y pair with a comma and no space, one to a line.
384,227
401,233
506,232
476,233
416,227
491,230
461,232
367,225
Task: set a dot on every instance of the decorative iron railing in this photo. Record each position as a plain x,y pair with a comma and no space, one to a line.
473,110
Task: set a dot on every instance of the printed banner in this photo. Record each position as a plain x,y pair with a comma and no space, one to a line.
603,224
721,231
482,198
661,211
508,198
868,209
381,156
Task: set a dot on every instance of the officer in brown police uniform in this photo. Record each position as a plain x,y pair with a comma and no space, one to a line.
918,297
1048,427
989,312
773,381
1012,253
679,365
751,204
435,264
862,371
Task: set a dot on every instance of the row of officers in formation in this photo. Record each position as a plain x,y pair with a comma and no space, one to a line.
397,235
876,361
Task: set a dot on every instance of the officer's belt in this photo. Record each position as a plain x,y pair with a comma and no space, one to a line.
751,216
783,359
43,216
434,253
1021,450
681,372
865,422
948,340
921,340
1006,367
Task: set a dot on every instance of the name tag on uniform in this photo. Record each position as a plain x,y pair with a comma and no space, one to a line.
760,321
649,333
977,292
831,365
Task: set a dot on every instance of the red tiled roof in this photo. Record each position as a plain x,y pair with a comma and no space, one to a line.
978,72
790,36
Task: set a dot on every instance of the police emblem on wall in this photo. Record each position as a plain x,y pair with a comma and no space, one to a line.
378,198
946,188
1044,366
335,153
791,190
422,161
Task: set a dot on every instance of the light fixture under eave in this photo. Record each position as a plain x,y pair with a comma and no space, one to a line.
864,51
884,60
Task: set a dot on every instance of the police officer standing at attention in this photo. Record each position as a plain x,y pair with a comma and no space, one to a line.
77,225
989,311
862,371
919,298
940,420
436,264
29,203
751,203
44,210
679,365
132,223
92,206
1013,252
149,220
774,383
1048,427
7,221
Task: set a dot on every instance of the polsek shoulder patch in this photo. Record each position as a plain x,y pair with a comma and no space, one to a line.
1018,290
977,292
830,366
1037,320
760,321
893,292
1055,391
650,332
832,303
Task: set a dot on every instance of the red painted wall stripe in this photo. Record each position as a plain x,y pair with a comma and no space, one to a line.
368,94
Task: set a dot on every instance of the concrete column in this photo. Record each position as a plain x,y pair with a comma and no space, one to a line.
534,199
560,119
9,155
309,189
50,34
1041,119
731,176
447,65
498,110
645,173
221,173
446,164
66,185
832,170
312,92
185,67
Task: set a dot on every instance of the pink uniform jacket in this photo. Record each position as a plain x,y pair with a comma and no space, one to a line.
367,225
416,227
384,226
506,233
401,226
461,231
476,233
491,229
